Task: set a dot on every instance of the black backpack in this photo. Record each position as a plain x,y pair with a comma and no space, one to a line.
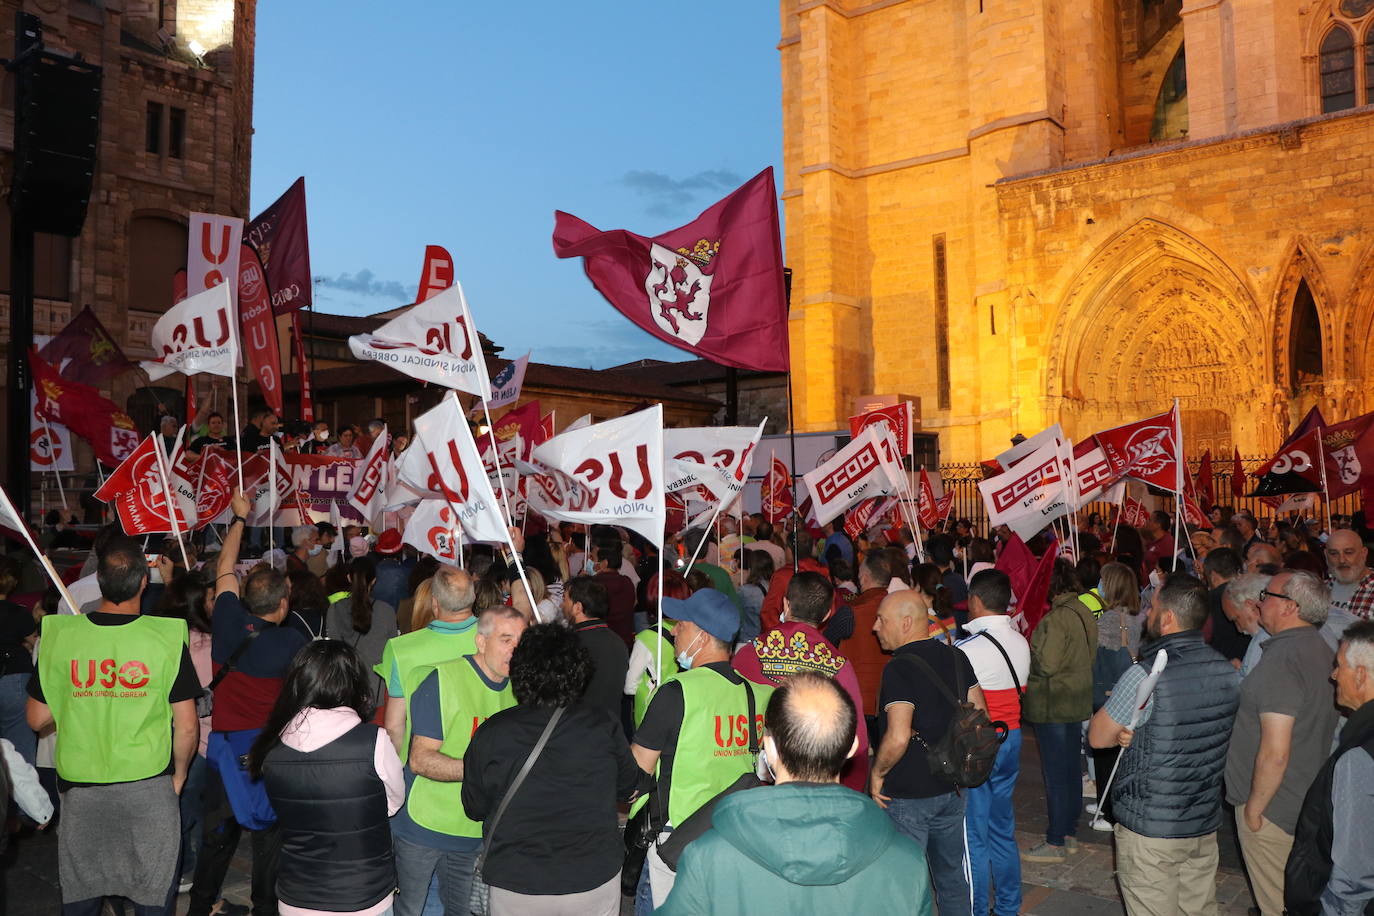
966,753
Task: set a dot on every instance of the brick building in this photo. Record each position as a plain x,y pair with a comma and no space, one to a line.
1030,211
175,136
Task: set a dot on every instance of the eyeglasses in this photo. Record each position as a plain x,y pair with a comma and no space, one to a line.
1265,593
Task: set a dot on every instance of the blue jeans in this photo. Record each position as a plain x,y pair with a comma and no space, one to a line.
937,826
990,823
417,866
14,699
192,813
1060,763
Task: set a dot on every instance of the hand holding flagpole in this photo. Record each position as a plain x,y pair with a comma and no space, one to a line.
1142,697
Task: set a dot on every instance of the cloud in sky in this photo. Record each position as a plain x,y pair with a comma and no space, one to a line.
365,283
667,196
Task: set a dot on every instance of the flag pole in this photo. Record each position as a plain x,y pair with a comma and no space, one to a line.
52,450
792,442
238,428
1120,510
496,455
705,534
1178,478
1326,492
162,462
22,526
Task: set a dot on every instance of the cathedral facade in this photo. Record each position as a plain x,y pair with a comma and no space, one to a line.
1025,212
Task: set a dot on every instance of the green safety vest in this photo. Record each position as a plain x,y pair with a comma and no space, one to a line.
465,702
713,742
644,690
107,687
416,654
1092,601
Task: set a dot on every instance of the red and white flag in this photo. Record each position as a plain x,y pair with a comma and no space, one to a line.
259,327
943,505
868,466
1093,472
1133,512
135,490
370,479
1030,494
775,492
437,273
927,510
866,513
197,334
1297,468
716,457
608,473
214,486
897,418
212,252
454,472
303,369
1193,514
1349,451
1148,450
434,341
433,529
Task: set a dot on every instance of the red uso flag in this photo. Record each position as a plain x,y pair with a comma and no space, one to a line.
713,287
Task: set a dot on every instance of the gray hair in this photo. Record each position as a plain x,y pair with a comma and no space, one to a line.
301,534
1246,587
1310,594
489,617
452,589
1359,644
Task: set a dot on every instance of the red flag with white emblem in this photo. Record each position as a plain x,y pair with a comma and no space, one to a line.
1147,450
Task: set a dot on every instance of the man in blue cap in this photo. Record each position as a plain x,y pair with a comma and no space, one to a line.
702,729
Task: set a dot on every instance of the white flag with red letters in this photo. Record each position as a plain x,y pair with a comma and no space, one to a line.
370,479
433,529
716,457
866,467
455,471
198,334
434,341
1031,494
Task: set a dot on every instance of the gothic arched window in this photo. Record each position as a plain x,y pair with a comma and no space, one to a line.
1171,107
1338,70
1304,340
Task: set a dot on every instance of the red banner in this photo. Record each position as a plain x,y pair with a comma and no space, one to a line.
1237,476
864,514
81,408
776,493
1193,514
1206,493
1134,513
259,328
898,418
927,511
437,273
1147,450
302,367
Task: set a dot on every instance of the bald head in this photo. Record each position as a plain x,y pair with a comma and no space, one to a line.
903,617
1346,557
1261,555
812,726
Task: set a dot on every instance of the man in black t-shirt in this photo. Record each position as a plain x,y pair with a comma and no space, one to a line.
215,435
916,713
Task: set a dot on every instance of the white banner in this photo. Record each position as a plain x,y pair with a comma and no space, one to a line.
433,529
868,466
370,480
434,341
198,334
48,453
455,471
1093,474
717,457
505,388
1032,494
212,253
607,473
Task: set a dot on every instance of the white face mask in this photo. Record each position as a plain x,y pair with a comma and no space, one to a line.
684,658
589,566
314,551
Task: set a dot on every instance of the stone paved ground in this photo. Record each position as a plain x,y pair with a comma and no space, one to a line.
1084,885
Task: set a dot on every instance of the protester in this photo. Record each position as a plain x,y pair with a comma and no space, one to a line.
1000,657
1283,730
926,807
216,436
1351,583
1166,796
678,740
652,646
1058,702
1331,866
586,607
393,568
772,601
805,844
863,649
753,591
17,628
363,621
1219,569
345,447
125,738
432,833
333,779
557,846
606,559
796,646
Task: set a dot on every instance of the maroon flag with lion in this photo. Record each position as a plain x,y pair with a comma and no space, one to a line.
713,287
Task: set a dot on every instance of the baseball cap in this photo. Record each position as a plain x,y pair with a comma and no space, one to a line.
709,609
389,542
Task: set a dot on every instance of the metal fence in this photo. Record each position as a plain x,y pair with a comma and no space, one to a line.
963,480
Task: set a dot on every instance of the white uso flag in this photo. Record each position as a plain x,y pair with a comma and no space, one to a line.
716,457
1032,494
370,479
455,471
433,529
607,473
866,467
434,341
198,334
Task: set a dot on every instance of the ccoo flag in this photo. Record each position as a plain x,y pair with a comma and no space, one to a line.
713,287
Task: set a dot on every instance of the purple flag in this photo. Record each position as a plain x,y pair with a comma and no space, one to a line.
713,287
281,238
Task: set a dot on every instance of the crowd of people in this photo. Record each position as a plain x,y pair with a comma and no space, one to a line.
396,734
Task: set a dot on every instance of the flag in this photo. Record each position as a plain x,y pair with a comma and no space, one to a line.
1295,469
433,341
1237,476
927,512
1349,451
50,444
436,274
9,518
547,428
445,444
716,457
214,486
98,420
943,504
212,253
433,529
303,369
897,417
522,421
370,479
281,237
1030,494
259,328
506,385
775,492
1020,450
135,489
606,473
94,356
858,519
713,287
1206,492
867,466
1193,514
1092,470
1030,580
1147,450
195,335
1133,512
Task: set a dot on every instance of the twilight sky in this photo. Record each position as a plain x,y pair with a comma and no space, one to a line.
467,125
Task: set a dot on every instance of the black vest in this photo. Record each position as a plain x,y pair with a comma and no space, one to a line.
1309,864
336,841
1169,782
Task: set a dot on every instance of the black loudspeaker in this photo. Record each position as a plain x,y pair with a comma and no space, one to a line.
56,129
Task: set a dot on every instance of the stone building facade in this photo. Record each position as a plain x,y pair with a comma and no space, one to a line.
1030,211
175,137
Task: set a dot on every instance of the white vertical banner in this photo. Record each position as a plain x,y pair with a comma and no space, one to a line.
212,253
50,444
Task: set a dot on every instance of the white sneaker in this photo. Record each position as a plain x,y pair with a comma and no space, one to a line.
1100,824
1090,807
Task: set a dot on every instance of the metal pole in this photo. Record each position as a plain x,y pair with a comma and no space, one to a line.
20,379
